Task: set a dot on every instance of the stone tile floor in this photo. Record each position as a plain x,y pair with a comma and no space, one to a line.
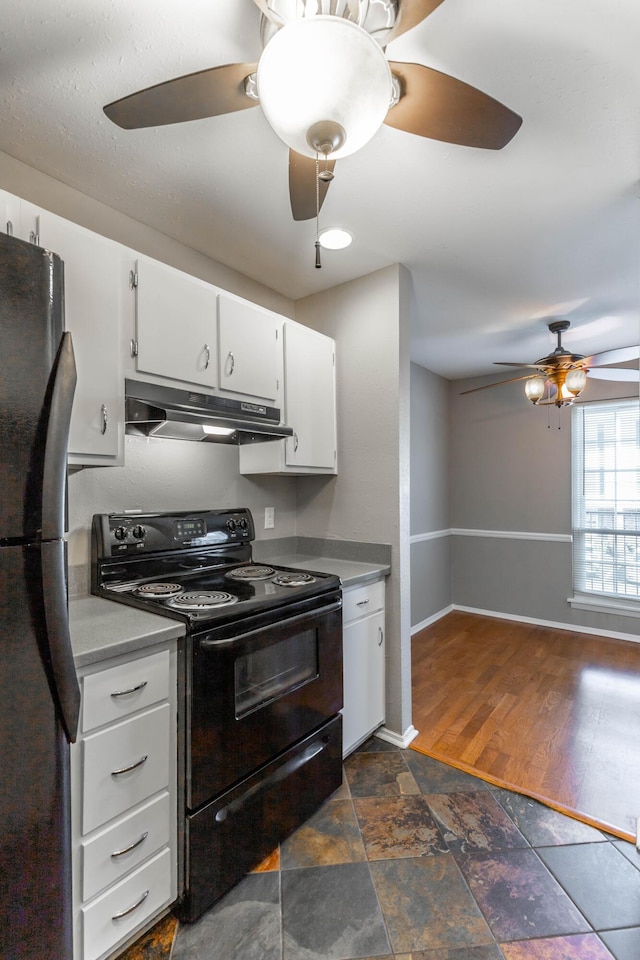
414,860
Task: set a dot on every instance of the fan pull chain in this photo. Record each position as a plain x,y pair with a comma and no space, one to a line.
318,263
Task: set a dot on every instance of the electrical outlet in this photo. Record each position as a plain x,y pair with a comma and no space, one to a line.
269,518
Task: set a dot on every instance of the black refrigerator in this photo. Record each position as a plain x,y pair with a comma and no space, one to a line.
39,693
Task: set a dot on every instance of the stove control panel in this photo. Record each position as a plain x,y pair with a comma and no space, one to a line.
125,534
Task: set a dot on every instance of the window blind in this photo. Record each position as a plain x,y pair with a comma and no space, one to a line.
606,499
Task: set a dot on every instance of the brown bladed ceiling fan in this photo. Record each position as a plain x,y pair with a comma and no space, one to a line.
561,376
415,98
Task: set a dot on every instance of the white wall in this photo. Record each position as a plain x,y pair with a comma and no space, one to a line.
369,499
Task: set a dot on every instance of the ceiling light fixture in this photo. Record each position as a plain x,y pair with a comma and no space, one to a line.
335,238
325,86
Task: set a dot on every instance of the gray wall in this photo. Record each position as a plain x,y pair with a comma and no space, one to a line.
511,475
431,588
171,475
158,474
369,499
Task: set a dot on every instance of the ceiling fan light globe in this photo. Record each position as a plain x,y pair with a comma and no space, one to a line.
534,389
576,381
324,70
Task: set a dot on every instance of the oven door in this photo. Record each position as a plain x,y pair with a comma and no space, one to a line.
252,693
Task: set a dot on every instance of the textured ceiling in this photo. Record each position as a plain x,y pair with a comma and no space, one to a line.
495,241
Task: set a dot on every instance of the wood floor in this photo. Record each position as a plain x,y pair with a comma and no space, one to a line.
551,713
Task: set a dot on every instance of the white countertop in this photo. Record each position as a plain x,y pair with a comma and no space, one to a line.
101,629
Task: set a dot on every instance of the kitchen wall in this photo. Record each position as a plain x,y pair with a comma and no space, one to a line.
158,474
511,506
369,499
431,585
171,475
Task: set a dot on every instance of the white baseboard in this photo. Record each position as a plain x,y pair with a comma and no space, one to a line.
433,619
399,740
573,627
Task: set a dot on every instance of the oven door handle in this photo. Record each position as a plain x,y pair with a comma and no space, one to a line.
276,777
240,638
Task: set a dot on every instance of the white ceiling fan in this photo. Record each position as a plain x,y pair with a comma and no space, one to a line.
326,87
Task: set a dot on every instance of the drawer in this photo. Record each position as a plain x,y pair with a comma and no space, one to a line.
114,852
109,787
136,899
110,695
361,601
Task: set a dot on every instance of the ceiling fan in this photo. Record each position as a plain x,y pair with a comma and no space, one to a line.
326,87
561,376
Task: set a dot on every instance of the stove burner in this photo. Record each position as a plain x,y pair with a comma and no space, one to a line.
202,600
158,591
293,579
254,571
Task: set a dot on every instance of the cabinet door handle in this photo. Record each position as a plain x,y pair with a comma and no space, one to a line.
105,419
132,846
295,442
9,228
125,913
231,363
207,355
381,636
362,603
132,766
127,693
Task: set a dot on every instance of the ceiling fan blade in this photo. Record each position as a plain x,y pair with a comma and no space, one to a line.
621,355
302,185
207,93
410,14
623,376
440,107
506,363
500,383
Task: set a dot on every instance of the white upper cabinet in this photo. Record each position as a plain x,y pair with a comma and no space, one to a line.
175,324
248,348
309,409
10,221
310,397
93,292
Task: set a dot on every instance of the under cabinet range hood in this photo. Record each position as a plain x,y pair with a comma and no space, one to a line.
152,410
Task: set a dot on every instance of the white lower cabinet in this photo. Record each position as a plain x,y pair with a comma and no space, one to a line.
124,804
363,614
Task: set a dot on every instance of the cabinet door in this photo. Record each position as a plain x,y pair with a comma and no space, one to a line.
93,281
363,666
310,398
175,324
248,348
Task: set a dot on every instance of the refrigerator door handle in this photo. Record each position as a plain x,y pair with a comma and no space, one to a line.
54,475
63,677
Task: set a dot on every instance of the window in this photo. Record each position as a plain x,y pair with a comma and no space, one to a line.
606,502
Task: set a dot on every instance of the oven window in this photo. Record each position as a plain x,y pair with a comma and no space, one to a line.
271,672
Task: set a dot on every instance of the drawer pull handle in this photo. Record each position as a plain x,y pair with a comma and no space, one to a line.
132,766
132,846
381,635
125,913
362,603
127,693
